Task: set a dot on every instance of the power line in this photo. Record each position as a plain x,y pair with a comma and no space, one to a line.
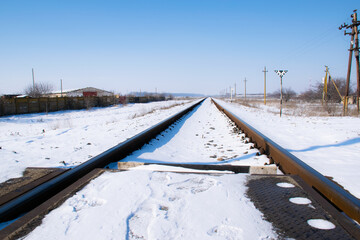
311,44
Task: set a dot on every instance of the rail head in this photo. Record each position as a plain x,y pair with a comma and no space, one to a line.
290,164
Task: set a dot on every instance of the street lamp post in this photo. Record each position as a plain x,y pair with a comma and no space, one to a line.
281,73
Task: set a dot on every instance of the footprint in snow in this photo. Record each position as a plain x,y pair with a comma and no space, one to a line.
227,231
139,222
195,185
82,202
160,177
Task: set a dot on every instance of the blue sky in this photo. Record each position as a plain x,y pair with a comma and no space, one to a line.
198,46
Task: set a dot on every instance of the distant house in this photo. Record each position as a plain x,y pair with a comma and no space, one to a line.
9,96
82,92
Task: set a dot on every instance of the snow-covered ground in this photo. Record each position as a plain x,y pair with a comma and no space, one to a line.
68,138
142,204
331,145
204,136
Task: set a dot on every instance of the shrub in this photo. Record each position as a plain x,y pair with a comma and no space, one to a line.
38,90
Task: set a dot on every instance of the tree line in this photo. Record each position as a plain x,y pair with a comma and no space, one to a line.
315,92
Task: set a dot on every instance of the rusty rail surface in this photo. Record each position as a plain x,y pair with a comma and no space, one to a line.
34,197
290,164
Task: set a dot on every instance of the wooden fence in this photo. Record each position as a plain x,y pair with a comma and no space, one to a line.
14,106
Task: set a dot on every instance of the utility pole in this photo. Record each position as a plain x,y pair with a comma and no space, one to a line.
61,86
327,81
324,96
265,84
281,73
245,88
235,92
348,74
354,34
33,77
356,30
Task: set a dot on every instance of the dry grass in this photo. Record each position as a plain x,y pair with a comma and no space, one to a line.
144,112
299,108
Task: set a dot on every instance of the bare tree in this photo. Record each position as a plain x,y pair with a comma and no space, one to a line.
310,95
38,90
315,93
332,94
288,94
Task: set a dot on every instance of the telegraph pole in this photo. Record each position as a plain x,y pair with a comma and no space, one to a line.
324,96
281,73
348,74
245,88
33,78
356,30
61,86
265,71
235,91
354,35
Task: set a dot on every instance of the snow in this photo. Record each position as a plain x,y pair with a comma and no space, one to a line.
145,204
300,200
142,204
330,145
285,185
205,136
321,224
163,168
69,138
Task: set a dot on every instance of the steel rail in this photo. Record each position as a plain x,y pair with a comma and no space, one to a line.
290,164
34,197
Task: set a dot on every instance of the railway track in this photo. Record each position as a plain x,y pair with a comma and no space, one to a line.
34,201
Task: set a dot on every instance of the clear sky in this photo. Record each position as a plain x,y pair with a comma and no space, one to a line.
197,46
